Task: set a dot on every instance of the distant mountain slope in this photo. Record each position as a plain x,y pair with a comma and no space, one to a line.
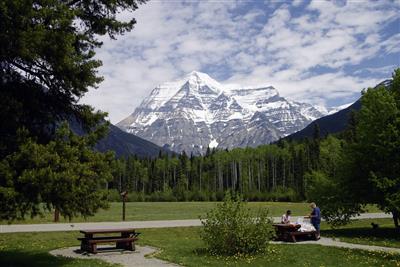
122,143
125,144
333,123
330,124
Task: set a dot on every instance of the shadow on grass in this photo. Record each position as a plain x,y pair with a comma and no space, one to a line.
381,233
13,258
201,252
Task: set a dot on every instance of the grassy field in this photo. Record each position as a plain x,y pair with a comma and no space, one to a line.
182,245
31,249
142,211
361,232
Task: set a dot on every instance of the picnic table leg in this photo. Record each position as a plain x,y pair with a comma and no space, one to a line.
84,245
315,236
130,246
121,245
293,238
93,248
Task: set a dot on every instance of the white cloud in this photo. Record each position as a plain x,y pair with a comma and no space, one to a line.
246,46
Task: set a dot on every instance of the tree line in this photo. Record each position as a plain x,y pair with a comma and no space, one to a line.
268,172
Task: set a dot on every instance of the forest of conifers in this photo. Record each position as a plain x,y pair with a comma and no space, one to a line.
269,172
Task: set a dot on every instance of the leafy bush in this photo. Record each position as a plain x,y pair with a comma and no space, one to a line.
159,196
285,194
231,229
114,195
199,196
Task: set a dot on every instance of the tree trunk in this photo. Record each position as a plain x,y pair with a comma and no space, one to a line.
396,218
56,215
200,176
259,177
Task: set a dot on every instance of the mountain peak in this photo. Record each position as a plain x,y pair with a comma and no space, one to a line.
200,78
196,112
197,73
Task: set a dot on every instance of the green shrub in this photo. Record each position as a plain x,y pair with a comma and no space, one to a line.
199,196
284,194
114,195
135,197
231,229
220,196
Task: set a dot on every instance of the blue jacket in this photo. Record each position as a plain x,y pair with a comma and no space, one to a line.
317,213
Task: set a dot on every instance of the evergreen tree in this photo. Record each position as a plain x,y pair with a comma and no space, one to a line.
369,163
376,151
65,174
47,64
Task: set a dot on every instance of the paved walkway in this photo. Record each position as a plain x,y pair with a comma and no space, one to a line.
125,258
330,242
54,227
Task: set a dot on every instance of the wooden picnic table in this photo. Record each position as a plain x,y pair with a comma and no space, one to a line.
125,240
288,232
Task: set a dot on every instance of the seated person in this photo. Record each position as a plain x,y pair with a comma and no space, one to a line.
286,217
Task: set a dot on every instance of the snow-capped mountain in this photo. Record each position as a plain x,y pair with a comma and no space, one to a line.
197,112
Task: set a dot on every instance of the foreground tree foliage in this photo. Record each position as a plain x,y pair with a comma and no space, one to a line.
65,174
46,65
231,229
368,166
376,150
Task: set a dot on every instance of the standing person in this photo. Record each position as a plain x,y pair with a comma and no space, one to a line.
315,218
286,217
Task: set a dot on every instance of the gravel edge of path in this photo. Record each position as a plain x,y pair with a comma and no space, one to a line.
142,256
330,242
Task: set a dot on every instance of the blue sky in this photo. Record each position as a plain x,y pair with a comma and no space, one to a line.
312,51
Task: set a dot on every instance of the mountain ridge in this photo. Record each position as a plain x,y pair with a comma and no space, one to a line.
195,112
334,122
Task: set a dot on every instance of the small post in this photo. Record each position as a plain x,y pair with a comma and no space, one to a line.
124,197
56,215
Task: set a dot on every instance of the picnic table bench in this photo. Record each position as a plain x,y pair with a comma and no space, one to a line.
289,232
126,239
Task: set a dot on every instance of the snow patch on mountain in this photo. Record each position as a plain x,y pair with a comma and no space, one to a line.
197,112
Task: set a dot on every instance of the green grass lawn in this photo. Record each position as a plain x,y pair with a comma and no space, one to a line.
31,249
142,211
361,232
182,245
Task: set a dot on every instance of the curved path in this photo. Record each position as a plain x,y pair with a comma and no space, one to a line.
53,227
139,257
330,242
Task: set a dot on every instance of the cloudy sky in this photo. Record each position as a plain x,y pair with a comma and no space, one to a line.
318,52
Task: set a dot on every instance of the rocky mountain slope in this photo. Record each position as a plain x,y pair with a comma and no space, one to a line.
197,112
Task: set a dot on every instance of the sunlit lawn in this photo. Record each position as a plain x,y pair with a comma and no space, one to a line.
31,249
361,232
182,245
142,211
